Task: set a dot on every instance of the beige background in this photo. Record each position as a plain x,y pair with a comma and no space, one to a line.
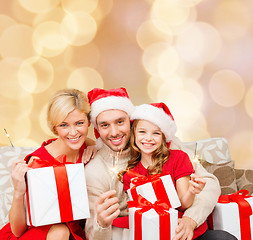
196,56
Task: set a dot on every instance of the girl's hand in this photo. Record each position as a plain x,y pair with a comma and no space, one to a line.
18,171
89,153
196,184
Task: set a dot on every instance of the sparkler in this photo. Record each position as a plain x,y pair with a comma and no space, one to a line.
8,136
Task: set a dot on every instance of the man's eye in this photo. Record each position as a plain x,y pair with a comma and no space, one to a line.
120,122
157,133
141,131
104,125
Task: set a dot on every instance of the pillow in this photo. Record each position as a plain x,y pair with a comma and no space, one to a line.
212,150
225,173
244,179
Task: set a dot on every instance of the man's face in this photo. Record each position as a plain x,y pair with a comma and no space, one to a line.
114,128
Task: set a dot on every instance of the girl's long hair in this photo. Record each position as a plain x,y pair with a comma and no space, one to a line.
159,156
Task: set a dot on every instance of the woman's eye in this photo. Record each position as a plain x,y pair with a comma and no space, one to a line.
80,123
63,125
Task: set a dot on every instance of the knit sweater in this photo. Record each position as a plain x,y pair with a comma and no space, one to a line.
100,178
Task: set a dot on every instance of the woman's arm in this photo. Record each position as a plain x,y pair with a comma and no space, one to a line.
17,214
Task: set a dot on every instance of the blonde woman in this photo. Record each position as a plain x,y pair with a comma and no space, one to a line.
68,118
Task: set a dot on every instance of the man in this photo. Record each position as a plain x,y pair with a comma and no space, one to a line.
110,111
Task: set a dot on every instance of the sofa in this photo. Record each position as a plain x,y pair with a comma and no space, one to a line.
212,153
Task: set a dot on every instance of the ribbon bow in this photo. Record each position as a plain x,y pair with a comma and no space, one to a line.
245,210
58,161
159,207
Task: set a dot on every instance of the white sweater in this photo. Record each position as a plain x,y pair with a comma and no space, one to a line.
100,178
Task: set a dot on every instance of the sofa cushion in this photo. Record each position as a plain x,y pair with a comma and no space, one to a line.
225,173
213,154
7,156
212,150
244,179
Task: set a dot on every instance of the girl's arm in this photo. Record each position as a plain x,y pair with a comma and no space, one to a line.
17,214
187,187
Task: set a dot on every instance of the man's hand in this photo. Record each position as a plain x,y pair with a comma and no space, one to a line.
107,208
185,228
89,153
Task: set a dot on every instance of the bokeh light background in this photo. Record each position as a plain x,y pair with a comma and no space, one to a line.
196,56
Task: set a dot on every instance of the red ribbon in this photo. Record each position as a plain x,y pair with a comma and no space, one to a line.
156,182
159,207
62,186
245,210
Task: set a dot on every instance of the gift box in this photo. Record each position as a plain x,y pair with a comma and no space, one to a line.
233,213
56,194
149,221
155,187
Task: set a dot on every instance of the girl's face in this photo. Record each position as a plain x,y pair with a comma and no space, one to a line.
148,137
73,130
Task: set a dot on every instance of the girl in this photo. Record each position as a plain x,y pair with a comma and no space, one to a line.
67,117
152,132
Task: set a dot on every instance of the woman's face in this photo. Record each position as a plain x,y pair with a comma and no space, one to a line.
73,129
148,137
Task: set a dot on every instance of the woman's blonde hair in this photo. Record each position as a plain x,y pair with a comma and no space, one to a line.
159,156
64,102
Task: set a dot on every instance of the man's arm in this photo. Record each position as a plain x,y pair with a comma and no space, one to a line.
202,206
103,204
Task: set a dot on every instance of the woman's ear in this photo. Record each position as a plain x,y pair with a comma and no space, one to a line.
89,124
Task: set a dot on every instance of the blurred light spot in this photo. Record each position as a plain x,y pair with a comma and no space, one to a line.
16,42
153,87
241,148
168,62
5,22
27,142
185,106
195,88
198,130
78,28
87,6
9,86
151,57
43,121
233,19
248,102
221,121
55,15
103,9
169,86
148,34
48,40
190,70
198,43
85,79
21,129
38,6
166,13
36,75
226,88
87,55
188,3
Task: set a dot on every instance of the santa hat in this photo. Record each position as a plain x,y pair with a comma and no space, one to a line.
160,115
102,100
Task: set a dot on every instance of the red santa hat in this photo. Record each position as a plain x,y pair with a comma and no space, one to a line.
158,114
102,100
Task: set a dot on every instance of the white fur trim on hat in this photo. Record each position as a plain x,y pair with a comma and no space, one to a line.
158,117
110,103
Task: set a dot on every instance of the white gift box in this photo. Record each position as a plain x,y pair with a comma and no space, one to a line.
226,217
147,191
150,224
43,197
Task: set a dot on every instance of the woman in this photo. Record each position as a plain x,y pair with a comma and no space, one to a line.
68,117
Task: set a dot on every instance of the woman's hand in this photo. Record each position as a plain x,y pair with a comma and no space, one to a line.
18,171
89,153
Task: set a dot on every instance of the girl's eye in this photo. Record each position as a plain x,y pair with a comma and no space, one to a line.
80,123
63,125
